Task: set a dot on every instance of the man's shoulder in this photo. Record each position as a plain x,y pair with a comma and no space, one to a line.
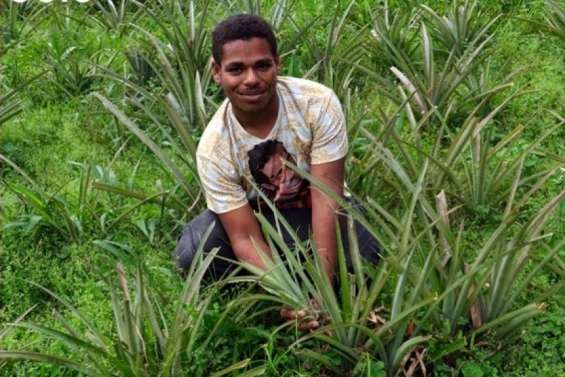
214,138
304,89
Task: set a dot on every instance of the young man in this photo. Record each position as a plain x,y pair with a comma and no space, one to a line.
264,121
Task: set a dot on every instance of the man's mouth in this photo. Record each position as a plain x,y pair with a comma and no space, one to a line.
288,189
252,96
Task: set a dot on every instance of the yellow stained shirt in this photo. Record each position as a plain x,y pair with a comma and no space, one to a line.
310,129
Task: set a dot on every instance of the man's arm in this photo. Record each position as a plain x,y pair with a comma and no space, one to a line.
241,227
324,212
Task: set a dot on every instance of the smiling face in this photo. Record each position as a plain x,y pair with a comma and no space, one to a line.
248,75
280,183
283,181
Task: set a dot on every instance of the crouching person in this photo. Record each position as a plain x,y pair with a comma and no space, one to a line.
266,120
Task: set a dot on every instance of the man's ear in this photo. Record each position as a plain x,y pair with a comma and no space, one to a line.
278,64
216,70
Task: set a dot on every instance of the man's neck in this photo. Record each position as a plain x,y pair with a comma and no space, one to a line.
260,123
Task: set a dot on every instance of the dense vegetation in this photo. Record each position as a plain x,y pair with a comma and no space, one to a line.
455,118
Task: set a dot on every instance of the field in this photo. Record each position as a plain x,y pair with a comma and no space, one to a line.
455,114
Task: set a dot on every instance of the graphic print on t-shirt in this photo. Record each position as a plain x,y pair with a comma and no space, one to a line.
278,182
310,125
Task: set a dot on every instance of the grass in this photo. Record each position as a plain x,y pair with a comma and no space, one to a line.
62,125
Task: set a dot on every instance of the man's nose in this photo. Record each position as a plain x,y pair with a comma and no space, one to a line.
251,78
287,175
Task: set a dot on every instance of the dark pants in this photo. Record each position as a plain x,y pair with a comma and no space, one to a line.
298,218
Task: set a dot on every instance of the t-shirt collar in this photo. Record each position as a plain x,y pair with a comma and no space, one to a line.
240,129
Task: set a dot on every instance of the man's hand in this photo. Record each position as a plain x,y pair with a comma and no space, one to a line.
324,211
245,235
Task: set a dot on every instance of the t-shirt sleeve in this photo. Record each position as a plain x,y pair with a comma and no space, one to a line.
221,184
329,138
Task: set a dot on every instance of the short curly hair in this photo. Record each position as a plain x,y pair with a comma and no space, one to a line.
241,26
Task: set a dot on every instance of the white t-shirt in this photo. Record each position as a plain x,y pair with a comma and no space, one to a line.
310,129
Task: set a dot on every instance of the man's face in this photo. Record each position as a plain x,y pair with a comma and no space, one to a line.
283,180
247,74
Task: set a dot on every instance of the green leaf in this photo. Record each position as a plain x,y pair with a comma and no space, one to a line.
472,369
49,359
232,368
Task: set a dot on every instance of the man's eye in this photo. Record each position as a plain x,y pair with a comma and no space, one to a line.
235,70
263,66
276,174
